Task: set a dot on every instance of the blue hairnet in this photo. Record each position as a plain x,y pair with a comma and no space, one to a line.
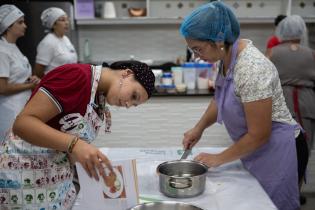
213,21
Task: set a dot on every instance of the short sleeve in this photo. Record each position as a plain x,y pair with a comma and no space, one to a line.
4,65
272,42
255,78
69,86
45,52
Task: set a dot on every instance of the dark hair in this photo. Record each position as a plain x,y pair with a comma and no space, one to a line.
279,18
143,73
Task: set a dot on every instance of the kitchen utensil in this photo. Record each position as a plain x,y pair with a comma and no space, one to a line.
185,154
165,205
137,12
182,178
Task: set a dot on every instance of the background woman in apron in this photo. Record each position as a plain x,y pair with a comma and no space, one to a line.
16,81
63,116
55,49
295,62
249,101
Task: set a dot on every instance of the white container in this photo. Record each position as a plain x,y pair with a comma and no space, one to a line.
109,10
158,76
203,73
189,75
177,72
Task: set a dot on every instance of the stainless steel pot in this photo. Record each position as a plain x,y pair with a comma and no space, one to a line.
165,205
182,178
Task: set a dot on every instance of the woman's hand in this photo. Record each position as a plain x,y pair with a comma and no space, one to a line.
210,160
34,79
91,158
32,82
191,137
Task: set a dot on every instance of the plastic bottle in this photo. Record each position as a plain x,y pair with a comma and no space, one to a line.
203,75
177,75
189,75
87,51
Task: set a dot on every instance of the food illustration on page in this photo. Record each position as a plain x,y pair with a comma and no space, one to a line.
113,183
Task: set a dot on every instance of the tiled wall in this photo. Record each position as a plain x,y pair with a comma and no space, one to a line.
161,43
117,42
161,119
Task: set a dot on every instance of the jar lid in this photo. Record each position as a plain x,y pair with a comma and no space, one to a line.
188,65
167,75
203,65
176,68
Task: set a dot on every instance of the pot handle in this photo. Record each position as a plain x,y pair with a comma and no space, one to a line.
183,184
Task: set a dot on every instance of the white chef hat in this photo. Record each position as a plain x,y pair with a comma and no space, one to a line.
8,15
50,15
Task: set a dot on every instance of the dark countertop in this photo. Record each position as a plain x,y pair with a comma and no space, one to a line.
173,92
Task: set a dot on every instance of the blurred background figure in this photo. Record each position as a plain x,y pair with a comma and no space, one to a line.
16,81
274,40
55,49
295,62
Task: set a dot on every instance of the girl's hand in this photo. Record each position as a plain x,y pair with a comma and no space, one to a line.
91,158
210,160
191,138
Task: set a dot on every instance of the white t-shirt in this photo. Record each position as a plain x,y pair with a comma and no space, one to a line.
53,51
16,68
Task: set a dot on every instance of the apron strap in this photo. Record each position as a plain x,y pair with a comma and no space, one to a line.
229,76
96,73
296,106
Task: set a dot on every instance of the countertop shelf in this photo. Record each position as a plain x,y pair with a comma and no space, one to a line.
128,21
174,93
170,20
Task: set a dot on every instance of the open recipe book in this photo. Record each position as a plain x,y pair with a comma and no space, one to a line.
113,193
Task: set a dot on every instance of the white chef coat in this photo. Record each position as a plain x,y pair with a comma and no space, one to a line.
16,68
53,51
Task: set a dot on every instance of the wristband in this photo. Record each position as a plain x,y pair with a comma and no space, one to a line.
72,144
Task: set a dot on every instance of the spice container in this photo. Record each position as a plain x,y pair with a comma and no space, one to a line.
167,78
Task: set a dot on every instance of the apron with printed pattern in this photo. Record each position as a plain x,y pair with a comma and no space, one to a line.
33,177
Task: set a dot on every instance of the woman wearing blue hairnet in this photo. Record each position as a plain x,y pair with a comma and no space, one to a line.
249,101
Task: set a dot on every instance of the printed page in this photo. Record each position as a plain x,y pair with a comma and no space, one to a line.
113,193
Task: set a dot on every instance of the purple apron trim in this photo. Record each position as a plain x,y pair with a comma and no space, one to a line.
221,80
274,164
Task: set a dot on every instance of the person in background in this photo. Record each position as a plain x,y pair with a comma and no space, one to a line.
295,63
67,109
16,80
273,40
55,49
249,101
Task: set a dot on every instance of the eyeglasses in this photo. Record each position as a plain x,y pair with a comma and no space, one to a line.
196,50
